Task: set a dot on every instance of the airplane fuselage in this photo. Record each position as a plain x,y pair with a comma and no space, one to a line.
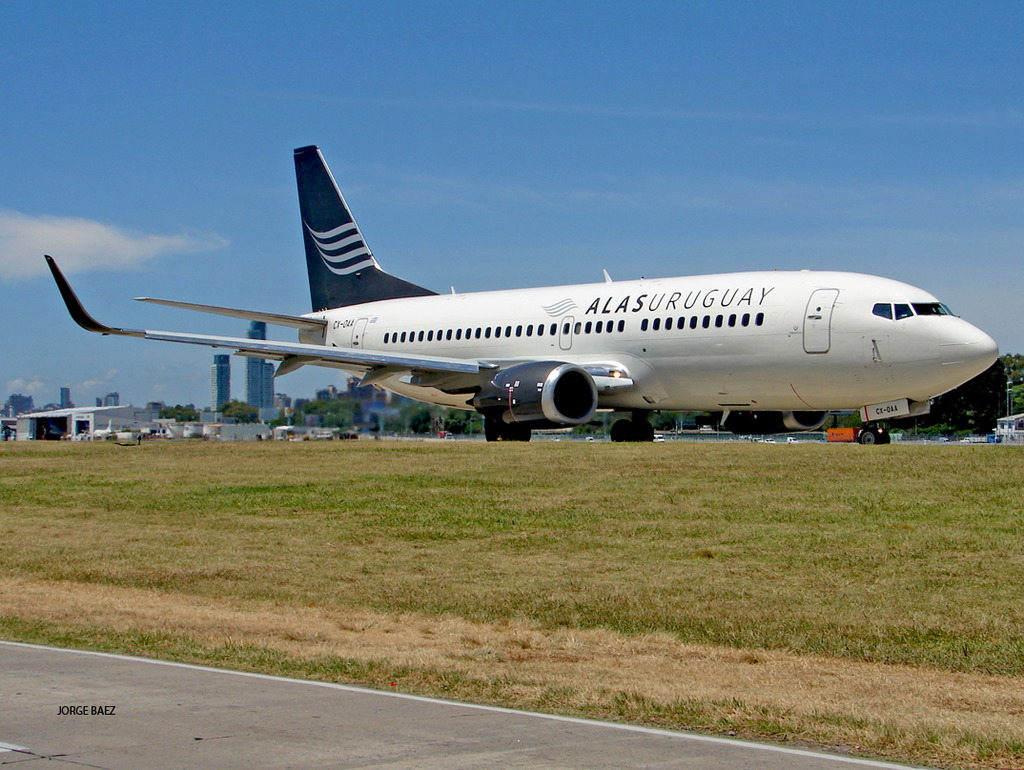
776,340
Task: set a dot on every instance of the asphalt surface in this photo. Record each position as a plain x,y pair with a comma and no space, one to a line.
78,709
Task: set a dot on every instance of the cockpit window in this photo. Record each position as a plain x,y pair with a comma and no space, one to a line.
905,310
931,308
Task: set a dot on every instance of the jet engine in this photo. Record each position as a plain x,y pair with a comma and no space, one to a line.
540,394
774,422
797,421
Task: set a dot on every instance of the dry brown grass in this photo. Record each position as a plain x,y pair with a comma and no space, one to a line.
590,663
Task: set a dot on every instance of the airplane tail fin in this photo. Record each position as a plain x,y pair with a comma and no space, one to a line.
342,271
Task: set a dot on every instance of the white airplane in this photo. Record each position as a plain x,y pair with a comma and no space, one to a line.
764,351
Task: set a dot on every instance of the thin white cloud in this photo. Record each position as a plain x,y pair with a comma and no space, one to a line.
97,381
33,386
997,119
45,388
83,244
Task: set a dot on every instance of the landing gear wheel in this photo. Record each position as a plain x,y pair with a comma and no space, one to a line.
643,431
496,429
515,432
621,431
637,429
873,436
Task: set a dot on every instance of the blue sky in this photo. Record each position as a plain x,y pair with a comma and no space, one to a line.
148,147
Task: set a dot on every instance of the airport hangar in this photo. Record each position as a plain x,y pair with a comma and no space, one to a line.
80,421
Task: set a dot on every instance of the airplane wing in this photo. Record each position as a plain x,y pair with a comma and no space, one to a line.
292,355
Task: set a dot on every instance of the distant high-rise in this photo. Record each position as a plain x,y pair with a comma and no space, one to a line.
220,381
20,403
268,385
65,398
259,375
112,399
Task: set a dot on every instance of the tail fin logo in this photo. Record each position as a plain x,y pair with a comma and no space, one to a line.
342,249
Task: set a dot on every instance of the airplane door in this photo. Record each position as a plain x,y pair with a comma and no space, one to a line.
357,333
818,321
565,333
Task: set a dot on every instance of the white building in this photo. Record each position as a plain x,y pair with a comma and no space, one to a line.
1011,428
81,422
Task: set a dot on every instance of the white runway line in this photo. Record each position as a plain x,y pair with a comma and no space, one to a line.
682,736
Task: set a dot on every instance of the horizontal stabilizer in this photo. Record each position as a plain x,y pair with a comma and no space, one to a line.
323,354
277,319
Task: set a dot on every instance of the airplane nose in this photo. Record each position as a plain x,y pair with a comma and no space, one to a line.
970,351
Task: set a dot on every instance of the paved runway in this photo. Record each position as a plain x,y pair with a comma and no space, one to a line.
55,706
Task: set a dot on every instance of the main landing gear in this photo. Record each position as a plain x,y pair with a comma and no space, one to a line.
496,429
636,429
873,435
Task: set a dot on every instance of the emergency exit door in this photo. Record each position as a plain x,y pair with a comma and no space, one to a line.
358,331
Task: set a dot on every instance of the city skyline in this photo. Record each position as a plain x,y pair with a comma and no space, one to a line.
22,403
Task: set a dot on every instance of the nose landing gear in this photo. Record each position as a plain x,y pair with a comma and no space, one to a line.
873,435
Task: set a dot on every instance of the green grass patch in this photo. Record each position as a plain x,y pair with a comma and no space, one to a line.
900,554
895,554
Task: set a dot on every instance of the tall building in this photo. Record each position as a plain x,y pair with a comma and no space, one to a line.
259,375
220,381
20,403
112,399
268,385
65,398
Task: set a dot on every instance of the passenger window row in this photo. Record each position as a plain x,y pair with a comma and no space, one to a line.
497,332
703,322
580,327
591,327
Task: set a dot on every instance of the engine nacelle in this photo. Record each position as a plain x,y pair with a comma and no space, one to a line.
774,422
797,421
540,392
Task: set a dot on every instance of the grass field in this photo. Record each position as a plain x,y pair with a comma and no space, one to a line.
867,599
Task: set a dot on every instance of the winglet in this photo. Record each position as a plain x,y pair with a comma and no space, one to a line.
77,311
